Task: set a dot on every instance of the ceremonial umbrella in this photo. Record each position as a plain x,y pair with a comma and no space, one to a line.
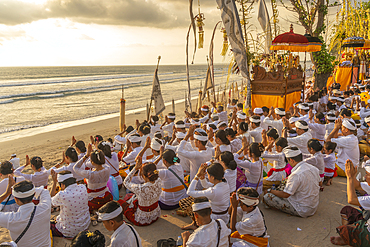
314,43
365,47
290,41
353,42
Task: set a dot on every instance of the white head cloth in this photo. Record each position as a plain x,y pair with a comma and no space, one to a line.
180,126
331,118
63,177
303,107
291,153
204,109
249,201
279,112
134,138
367,119
241,115
214,116
12,244
24,194
309,103
155,145
300,126
292,134
209,127
346,123
180,135
200,206
201,138
258,110
221,123
341,99
111,215
13,155
254,120
193,122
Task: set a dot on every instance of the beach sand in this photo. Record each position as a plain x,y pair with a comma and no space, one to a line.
283,229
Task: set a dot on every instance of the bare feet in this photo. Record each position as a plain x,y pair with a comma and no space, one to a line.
337,241
191,226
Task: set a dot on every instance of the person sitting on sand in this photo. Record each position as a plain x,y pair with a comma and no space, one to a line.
347,144
111,159
329,160
88,239
70,157
79,146
141,207
124,235
303,135
355,230
228,162
276,122
251,227
6,170
210,232
73,201
300,196
15,161
316,159
134,142
38,233
40,176
256,129
168,124
97,178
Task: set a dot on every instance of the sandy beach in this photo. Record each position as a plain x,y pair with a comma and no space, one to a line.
283,229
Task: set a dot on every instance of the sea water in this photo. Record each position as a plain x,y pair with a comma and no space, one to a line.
33,97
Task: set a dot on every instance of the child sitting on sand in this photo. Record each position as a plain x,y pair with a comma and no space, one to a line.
329,160
124,235
40,176
252,227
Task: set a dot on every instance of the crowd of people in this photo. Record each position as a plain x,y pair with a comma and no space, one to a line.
216,165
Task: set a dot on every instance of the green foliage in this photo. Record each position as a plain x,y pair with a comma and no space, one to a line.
324,61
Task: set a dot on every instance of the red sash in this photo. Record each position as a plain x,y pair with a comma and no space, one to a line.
272,170
150,208
331,170
97,190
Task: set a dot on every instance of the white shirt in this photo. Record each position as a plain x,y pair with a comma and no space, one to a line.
195,157
328,129
303,187
38,178
230,176
11,206
300,141
218,195
68,167
251,223
168,128
39,232
253,171
74,215
317,131
347,147
236,145
263,124
330,160
256,134
16,162
123,236
277,124
222,117
130,157
206,235
120,139
278,161
169,181
113,164
317,160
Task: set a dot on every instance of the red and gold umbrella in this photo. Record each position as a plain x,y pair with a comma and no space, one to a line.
290,41
314,43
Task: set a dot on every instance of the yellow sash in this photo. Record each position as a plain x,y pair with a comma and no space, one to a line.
174,189
260,242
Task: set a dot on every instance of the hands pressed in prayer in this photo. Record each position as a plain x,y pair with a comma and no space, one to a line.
73,141
233,201
27,160
201,174
338,124
245,143
54,175
351,171
217,152
147,143
310,114
139,162
89,150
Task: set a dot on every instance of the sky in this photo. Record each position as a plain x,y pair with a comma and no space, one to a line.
107,32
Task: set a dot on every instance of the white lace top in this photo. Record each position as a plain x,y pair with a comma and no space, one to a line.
147,194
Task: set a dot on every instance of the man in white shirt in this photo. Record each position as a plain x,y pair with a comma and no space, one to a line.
276,122
303,113
256,129
303,135
210,233
74,215
124,235
347,144
301,194
168,124
134,142
38,233
15,161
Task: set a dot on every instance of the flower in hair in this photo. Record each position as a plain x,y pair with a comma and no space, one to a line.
89,234
175,159
155,172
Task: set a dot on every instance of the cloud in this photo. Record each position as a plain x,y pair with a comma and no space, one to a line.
85,37
9,34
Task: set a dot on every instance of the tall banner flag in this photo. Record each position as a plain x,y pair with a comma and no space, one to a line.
264,20
208,84
157,94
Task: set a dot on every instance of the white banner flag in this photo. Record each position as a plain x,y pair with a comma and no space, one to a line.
264,20
157,95
230,18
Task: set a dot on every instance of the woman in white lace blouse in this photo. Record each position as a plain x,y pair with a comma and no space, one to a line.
141,207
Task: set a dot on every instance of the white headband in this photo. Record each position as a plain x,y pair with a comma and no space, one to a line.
302,107
367,119
193,122
171,117
24,194
180,135
63,177
291,153
155,145
254,120
241,115
200,206
332,118
204,109
180,126
279,112
340,99
293,134
300,126
201,138
258,111
111,215
249,201
134,138
348,125
221,123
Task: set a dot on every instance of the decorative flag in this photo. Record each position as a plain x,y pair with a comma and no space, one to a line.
230,19
208,84
264,20
157,95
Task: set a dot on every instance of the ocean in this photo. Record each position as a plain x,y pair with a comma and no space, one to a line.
34,97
